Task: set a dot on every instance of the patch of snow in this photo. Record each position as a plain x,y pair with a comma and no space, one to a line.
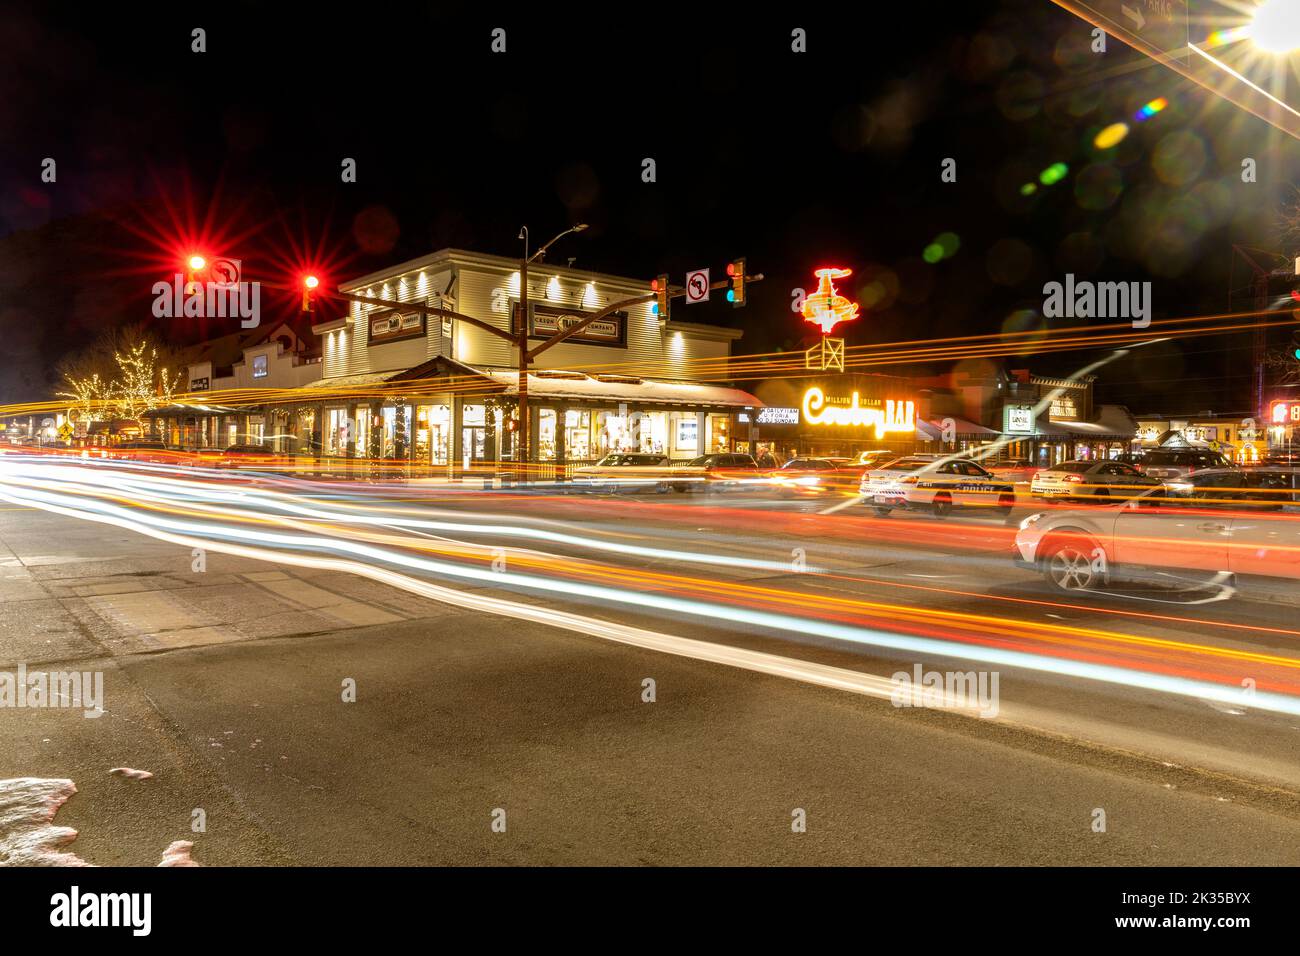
132,774
27,834
178,854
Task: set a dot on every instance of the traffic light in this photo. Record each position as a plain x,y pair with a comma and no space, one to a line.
659,308
1295,345
308,285
736,273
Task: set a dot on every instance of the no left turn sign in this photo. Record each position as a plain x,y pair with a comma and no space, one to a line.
697,286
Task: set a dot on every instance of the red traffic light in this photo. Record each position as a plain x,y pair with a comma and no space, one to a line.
311,282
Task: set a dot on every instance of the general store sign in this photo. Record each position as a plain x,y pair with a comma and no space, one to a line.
546,320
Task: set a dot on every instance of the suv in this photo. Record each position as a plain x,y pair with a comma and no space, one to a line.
1176,463
716,469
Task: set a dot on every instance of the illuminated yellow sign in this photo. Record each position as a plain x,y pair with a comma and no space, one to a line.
891,416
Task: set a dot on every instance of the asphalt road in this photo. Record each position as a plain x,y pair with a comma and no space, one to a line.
226,685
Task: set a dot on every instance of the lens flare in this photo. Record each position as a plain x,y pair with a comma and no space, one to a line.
1149,110
1111,136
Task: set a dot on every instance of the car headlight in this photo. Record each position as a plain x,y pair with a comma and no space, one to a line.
1030,520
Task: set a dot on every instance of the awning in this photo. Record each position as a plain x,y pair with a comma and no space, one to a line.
189,410
1113,421
544,384
624,388
933,430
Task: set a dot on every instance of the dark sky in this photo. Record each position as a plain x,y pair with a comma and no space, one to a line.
793,160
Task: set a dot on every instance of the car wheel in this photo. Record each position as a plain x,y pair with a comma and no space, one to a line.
881,510
1069,566
1005,504
941,506
1099,495
662,488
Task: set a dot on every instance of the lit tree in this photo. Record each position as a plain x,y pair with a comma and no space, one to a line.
141,383
89,395
120,375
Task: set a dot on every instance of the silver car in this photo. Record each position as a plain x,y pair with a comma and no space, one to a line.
1249,535
1097,481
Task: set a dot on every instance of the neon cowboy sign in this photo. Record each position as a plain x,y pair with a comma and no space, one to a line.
885,417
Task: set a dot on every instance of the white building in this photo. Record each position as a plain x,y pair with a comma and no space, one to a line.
445,392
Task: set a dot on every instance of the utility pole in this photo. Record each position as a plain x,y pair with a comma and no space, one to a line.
523,456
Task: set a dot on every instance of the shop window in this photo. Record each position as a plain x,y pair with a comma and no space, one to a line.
546,434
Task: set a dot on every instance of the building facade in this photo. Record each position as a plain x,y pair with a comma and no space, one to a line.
442,393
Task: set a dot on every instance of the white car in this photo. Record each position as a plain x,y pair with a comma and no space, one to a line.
1250,536
1096,481
937,484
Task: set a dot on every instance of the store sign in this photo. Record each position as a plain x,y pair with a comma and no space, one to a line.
391,326
778,416
885,416
199,384
687,434
547,320
1284,413
1019,420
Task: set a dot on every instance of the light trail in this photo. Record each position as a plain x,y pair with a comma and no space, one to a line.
299,533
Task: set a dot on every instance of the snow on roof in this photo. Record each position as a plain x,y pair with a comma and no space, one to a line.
343,381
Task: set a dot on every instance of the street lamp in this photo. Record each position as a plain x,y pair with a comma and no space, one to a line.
522,437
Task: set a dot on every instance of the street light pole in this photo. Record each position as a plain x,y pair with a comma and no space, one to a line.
524,436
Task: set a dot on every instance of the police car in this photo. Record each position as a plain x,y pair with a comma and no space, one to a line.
935,484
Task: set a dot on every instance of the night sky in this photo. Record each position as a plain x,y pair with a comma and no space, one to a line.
795,161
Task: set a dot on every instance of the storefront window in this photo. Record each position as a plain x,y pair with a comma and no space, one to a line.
654,433
718,427
440,434
685,435
546,434
337,433
474,432
363,431
577,435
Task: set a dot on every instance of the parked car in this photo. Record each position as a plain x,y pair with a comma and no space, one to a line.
720,470
819,474
874,457
1019,470
152,452
248,455
625,470
1158,537
1166,463
1097,481
936,484
1268,487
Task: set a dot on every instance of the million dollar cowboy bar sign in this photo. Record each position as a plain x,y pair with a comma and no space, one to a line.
883,416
